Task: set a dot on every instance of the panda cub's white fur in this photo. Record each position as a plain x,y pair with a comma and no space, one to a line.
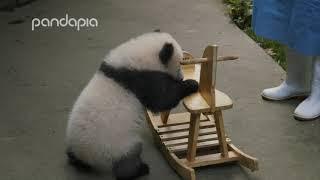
103,123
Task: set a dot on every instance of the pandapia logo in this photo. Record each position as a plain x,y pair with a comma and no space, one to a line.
64,22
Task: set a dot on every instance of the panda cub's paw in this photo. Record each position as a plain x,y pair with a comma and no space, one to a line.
144,169
190,86
78,163
134,173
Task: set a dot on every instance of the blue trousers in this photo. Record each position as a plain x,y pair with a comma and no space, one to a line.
295,23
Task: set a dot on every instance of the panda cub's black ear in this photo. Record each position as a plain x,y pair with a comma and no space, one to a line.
166,53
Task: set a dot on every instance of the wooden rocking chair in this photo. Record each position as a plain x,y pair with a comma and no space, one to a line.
197,138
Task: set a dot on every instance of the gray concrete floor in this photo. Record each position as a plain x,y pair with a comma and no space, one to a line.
42,73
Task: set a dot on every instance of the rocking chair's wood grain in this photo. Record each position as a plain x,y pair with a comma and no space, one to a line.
185,140
195,103
200,145
164,116
193,136
184,134
211,159
184,127
221,134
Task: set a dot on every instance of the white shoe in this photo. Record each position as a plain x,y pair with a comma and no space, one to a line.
283,92
297,83
309,109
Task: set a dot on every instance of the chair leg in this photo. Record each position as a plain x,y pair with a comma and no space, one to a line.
221,133
164,116
193,136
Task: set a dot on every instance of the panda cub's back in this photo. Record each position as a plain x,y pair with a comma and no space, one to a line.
103,114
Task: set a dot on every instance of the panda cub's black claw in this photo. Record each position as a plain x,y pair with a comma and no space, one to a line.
191,86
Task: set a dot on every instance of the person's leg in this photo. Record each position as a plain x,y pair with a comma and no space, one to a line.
298,78
309,109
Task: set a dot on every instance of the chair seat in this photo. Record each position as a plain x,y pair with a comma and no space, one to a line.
195,102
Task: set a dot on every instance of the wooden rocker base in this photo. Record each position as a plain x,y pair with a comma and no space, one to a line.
172,138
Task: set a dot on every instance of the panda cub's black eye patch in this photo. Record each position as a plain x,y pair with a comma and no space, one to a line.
166,53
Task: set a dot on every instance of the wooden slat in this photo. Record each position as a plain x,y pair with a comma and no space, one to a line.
179,135
211,118
179,123
184,147
185,140
211,159
181,168
209,137
204,144
176,119
183,127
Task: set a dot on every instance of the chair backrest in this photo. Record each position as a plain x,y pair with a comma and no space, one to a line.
208,75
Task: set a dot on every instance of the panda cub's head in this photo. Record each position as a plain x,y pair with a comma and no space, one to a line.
155,51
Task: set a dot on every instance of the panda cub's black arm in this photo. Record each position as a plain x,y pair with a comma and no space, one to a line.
157,91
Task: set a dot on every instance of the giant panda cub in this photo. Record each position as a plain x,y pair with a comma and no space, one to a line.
143,72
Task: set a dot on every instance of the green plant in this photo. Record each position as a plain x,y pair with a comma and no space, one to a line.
240,12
